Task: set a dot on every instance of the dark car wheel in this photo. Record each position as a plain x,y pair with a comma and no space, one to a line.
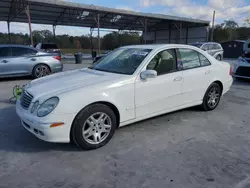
218,57
212,97
40,70
94,126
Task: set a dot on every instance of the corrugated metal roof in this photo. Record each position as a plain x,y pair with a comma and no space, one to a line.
58,12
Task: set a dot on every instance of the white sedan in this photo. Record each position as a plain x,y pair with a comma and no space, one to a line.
132,83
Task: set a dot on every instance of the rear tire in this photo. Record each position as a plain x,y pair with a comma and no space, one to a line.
40,70
218,57
212,97
94,126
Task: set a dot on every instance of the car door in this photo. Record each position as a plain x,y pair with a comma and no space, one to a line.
22,60
196,71
5,55
163,92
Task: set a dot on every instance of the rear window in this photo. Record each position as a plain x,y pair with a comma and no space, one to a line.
49,46
215,47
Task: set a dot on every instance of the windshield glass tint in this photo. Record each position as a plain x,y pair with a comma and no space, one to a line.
122,61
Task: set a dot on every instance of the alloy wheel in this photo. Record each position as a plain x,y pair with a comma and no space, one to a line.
41,71
218,57
213,97
96,128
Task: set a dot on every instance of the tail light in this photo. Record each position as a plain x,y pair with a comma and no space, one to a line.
230,71
57,57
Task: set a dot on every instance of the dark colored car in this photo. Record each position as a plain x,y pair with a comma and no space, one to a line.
49,48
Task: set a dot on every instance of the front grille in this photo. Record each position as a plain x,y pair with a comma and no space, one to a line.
243,71
26,99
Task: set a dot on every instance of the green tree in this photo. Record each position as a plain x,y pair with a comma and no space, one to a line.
229,24
247,21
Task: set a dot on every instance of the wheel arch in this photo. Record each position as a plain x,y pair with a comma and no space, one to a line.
217,82
220,84
109,104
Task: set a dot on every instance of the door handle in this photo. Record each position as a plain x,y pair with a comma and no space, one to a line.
33,59
4,61
207,72
179,78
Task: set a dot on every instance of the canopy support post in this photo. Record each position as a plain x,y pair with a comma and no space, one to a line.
54,32
27,10
8,24
145,30
91,38
97,20
169,33
180,32
98,27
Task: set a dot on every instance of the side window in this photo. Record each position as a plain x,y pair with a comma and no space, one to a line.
213,47
205,47
204,61
19,51
5,52
189,58
163,62
217,46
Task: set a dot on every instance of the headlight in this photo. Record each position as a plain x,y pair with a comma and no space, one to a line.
47,107
34,107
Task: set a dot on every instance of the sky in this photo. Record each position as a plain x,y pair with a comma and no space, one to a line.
237,10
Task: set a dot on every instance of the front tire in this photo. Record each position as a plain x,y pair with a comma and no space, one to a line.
212,97
94,126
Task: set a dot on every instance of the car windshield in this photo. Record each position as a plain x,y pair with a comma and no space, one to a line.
122,60
196,45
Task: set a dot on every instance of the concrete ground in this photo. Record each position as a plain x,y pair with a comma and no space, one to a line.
188,148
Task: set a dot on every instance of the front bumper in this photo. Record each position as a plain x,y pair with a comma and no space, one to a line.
40,127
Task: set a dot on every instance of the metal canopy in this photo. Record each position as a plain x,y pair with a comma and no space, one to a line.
58,12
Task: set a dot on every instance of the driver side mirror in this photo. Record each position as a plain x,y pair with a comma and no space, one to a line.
148,74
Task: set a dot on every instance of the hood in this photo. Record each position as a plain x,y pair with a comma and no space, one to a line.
69,80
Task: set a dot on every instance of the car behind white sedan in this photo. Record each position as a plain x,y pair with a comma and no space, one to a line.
130,84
